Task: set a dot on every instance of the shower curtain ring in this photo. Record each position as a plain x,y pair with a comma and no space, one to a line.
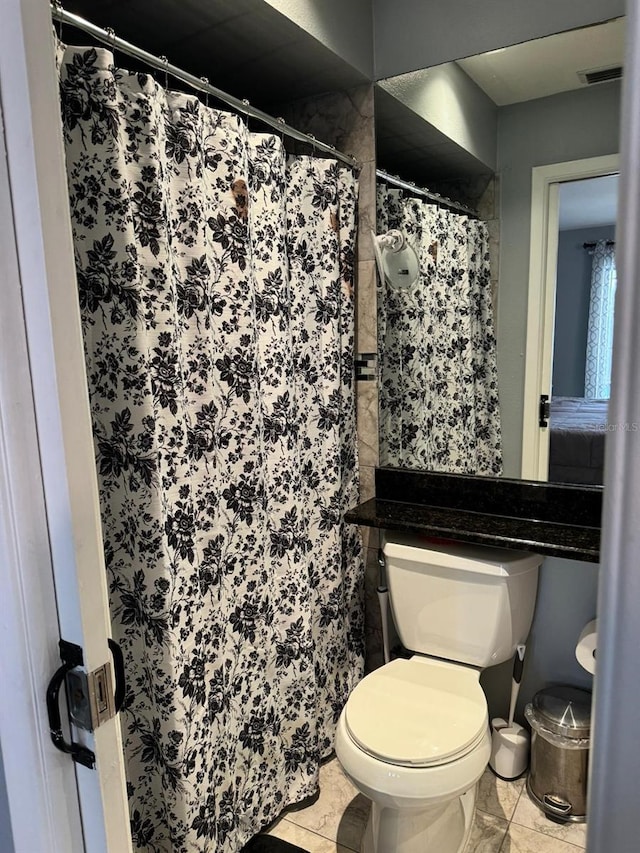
246,103
165,61
205,80
313,143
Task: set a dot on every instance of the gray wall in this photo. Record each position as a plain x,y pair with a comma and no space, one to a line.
567,595
415,34
450,101
345,28
573,288
568,126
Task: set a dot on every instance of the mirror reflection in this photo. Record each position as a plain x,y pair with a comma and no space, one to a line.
454,344
583,340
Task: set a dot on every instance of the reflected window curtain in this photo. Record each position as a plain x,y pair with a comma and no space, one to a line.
438,374
597,380
215,279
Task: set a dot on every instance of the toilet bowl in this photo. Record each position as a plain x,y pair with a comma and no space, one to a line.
414,735
414,738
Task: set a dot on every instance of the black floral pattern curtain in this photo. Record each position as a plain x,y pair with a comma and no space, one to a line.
215,282
438,396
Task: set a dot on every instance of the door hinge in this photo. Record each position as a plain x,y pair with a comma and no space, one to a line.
544,410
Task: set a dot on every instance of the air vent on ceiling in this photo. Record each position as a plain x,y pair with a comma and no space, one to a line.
600,75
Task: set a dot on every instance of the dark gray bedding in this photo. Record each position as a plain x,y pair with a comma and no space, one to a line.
576,440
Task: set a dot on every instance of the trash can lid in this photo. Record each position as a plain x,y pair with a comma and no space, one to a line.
564,710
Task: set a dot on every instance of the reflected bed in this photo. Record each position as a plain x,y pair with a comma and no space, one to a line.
576,440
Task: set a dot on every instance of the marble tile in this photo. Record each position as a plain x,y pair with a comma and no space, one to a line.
304,838
367,421
497,797
372,538
528,814
366,316
340,813
344,119
367,483
488,204
522,840
487,834
370,535
366,210
360,137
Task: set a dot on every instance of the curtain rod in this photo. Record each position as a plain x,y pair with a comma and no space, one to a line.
594,244
201,84
412,188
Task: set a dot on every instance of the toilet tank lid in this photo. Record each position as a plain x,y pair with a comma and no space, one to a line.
482,559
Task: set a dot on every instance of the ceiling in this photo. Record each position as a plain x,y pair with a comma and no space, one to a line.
547,66
588,203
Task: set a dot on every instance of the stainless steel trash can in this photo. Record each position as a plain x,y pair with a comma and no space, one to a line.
560,720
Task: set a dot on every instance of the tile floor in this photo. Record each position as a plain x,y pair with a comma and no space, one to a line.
506,820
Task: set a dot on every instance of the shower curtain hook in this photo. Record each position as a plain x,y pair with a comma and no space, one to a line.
165,62
60,8
281,121
313,144
205,80
246,103
112,37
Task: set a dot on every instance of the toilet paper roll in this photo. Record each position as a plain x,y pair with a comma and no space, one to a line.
587,646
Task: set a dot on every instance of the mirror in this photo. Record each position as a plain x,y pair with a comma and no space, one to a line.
472,131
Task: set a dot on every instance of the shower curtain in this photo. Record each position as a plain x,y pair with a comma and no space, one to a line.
215,283
438,396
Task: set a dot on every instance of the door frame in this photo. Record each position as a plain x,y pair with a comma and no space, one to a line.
543,260
42,815
49,370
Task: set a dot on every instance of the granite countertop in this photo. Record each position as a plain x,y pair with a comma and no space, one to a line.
549,519
542,537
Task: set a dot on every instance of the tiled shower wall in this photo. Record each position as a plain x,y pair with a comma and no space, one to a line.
346,120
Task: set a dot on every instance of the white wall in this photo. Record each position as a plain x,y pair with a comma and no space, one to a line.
415,33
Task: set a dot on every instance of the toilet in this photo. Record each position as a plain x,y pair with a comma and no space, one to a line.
414,735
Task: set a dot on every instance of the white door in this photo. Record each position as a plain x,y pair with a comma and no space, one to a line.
53,579
543,262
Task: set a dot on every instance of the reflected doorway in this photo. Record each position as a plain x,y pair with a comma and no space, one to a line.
546,182
583,330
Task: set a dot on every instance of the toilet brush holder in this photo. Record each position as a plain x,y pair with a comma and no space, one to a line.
509,749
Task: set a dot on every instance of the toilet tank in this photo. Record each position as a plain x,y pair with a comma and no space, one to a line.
468,603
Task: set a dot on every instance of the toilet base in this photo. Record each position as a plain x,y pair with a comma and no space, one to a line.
440,828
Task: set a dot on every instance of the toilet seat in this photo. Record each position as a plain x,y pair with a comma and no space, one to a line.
417,713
